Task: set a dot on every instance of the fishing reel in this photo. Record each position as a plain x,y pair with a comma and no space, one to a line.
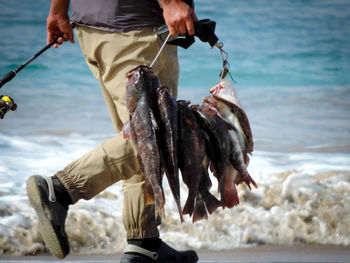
6,104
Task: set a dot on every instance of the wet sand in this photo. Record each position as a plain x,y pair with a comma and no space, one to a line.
263,254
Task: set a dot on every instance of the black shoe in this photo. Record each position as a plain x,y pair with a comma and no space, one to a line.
164,254
51,214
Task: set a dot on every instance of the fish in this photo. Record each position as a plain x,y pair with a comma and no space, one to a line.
171,135
200,210
231,195
218,146
225,100
228,116
139,89
210,201
205,200
167,119
191,153
224,91
238,161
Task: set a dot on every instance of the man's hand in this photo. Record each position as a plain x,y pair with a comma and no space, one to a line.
57,23
178,16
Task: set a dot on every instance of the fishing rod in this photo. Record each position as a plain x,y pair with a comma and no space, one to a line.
9,76
6,102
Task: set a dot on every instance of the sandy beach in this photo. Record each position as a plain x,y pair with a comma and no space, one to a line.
262,254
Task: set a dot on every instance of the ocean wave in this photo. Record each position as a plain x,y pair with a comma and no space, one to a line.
299,201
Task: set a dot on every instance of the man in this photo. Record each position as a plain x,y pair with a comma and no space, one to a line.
115,36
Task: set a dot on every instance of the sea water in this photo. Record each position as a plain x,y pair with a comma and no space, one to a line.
290,61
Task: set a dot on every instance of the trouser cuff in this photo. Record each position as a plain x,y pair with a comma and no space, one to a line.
142,234
74,195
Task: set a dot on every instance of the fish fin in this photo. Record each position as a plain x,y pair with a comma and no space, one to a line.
126,130
249,180
212,169
211,202
149,195
184,103
159,211
243,174
230,192
178,205
246,159
231,196
189,206
207,180
200,210
159,202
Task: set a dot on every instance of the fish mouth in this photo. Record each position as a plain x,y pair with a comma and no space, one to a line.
132,72
129,74
140,68
209,101
216,89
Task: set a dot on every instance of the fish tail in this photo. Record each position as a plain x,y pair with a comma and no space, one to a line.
231,196
211,202
189,206
200,210
230,192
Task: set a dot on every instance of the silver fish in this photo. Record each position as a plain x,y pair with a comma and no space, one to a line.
226,92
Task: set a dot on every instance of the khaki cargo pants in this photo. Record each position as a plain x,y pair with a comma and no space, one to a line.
110,56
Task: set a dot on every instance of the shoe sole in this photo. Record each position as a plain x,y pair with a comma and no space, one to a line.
42,209
132,258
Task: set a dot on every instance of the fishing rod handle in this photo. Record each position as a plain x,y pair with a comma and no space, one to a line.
7,78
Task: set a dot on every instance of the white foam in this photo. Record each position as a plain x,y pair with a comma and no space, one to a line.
302,198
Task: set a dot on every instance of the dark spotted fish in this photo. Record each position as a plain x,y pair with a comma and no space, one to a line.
139,89
218,147
167,119
191,153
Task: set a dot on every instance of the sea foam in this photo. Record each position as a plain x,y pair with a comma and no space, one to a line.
303,198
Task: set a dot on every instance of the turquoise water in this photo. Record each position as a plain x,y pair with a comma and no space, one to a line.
290,60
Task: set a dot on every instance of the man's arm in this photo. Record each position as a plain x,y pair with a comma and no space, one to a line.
178,16
57,22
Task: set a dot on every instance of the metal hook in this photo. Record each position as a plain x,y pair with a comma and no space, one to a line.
225,64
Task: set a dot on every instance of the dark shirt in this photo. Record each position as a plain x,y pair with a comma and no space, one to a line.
117,15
